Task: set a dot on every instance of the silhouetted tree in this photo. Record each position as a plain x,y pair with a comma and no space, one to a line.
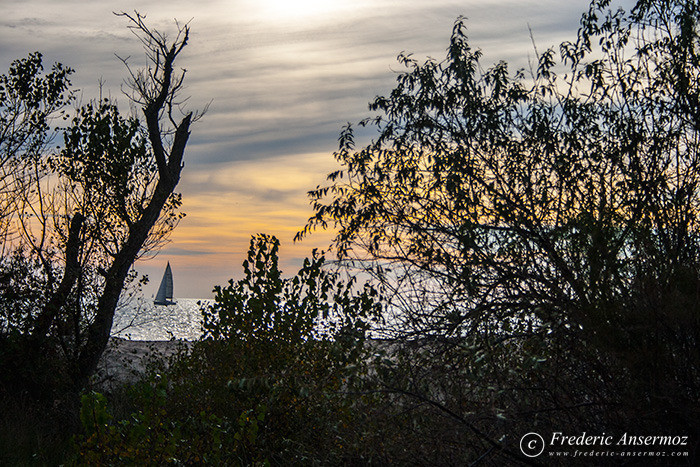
29,101
538,230
84,213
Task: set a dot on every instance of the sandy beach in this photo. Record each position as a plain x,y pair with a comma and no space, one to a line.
126,361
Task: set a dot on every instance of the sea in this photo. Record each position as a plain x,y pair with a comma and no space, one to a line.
141,320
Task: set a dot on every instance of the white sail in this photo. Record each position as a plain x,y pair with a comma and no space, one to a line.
165,291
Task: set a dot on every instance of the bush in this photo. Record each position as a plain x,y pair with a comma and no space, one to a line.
267,383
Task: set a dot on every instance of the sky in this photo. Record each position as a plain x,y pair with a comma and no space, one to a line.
282,78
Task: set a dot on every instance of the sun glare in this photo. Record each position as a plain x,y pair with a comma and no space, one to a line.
301,9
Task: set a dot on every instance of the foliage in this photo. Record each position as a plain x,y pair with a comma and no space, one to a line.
108,157
35,435
20,290
29,100
151,436
93,412
538,231
313,304
75,219
268,383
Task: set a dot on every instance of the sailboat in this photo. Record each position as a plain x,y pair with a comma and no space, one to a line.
165,291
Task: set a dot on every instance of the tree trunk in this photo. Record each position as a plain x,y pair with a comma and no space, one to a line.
169,176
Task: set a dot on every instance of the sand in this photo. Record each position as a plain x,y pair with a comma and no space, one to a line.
126,361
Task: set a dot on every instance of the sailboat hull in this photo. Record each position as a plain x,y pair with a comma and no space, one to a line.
165,302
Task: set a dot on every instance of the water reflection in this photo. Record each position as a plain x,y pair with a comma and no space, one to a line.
142,320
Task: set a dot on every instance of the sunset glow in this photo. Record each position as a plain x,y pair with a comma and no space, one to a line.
283,78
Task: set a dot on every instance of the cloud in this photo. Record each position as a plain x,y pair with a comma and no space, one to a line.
174,251
282,82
